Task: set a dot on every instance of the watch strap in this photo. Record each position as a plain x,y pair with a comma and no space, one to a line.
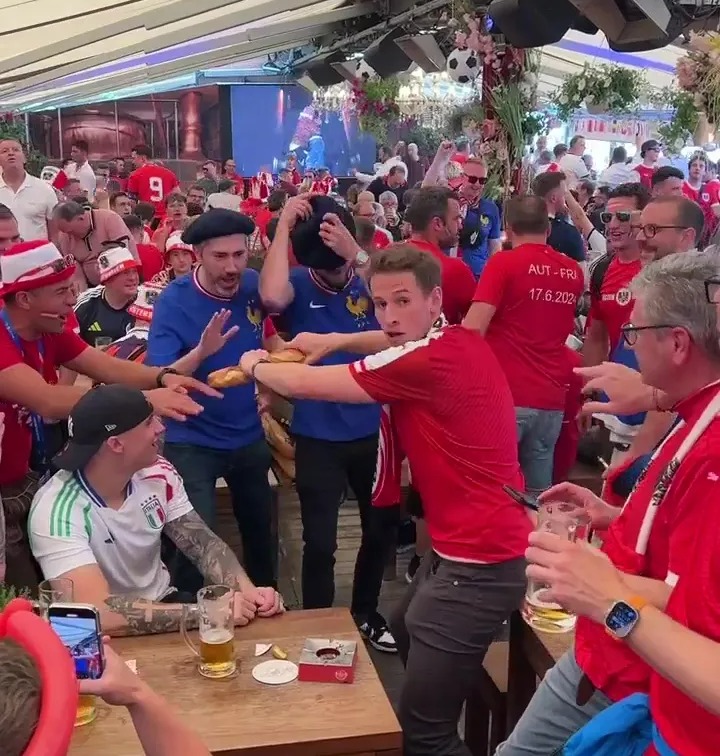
163,373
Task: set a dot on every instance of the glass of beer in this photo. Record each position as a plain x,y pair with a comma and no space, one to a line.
560,518
60,591
216,631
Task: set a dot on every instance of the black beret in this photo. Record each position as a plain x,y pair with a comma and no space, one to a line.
309,249
216,223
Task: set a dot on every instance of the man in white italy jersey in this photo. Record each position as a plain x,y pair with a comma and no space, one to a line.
100,519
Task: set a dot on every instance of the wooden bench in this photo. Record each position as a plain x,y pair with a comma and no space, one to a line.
486,709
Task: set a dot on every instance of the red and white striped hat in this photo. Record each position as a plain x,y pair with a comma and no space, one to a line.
32,265
142,307
115,260
175,241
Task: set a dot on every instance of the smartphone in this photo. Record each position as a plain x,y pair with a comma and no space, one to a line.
522,498
78,626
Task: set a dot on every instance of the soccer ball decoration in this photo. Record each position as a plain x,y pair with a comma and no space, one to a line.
364,71
463,66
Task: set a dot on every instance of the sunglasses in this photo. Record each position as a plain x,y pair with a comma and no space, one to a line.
475,179
623,216
54,267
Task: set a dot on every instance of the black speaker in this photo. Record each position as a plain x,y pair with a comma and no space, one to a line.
533,23
322,73
386,57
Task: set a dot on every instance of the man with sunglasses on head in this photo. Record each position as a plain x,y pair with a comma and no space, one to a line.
480,233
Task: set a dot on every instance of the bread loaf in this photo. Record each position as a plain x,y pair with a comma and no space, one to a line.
234,376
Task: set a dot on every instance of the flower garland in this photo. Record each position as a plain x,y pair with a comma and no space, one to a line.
676,132
604,88
375,103
698,73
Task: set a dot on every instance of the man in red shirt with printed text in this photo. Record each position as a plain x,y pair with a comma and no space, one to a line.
525,305
36,339
452,416
149,182
663,543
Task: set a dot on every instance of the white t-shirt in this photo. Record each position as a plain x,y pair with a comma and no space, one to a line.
70,526
86,176
32,204
573,166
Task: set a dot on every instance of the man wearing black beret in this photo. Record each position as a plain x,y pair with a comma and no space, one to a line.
335,443
228,442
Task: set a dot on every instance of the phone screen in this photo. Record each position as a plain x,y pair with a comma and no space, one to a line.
78,630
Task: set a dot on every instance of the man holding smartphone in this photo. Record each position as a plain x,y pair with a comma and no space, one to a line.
99,522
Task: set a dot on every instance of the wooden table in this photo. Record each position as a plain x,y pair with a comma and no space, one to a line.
532,653
241,717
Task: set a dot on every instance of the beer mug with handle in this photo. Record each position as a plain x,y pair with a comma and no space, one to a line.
216,631
560,518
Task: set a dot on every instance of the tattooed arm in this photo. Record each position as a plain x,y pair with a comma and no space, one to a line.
212,556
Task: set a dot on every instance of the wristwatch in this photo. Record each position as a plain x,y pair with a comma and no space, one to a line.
162,374
362,258
623,615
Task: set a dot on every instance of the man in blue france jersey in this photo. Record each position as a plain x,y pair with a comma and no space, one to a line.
228,442
335,443
480,234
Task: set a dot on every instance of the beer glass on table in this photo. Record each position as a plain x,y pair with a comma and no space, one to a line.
560,518
216,631
61,591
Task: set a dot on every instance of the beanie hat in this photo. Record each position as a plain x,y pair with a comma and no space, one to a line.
114,261
32,265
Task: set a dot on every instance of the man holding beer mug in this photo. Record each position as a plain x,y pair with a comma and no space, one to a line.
99,521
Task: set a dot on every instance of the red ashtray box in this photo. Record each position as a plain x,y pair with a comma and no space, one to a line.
327,661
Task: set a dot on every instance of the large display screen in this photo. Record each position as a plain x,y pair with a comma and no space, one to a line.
269,122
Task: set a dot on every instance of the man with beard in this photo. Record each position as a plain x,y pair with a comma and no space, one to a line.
480,234
228,441
452,415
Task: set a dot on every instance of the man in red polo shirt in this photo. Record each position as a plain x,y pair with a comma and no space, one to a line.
525,306
658,541
452,413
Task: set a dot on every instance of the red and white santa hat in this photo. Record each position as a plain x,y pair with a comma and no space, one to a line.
175,241
114,261
32,265
142,307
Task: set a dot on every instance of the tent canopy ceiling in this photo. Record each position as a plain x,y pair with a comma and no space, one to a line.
100,46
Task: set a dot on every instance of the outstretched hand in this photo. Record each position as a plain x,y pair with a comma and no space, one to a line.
213,339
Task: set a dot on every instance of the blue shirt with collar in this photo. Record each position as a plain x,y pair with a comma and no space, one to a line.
481,225
318,308
180,316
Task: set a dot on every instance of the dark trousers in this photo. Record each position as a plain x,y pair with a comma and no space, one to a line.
443,627
322,471
245,471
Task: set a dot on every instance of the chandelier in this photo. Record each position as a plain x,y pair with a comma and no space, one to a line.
331,99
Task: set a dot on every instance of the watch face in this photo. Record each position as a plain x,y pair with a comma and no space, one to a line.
621,619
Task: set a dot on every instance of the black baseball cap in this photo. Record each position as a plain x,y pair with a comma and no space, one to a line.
104,412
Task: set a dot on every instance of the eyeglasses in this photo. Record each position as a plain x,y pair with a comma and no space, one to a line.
712,290
650,229
51,268
630,331
623,216
475,179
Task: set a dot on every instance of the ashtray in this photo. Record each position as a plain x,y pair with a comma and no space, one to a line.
327,661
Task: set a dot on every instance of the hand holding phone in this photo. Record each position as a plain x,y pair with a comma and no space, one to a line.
78,626
523,498
119,685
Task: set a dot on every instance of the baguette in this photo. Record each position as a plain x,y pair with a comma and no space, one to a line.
234,376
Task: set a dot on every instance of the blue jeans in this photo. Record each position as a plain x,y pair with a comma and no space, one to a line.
538,432
245,471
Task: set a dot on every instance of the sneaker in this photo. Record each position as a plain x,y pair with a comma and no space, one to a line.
412,568
378,635
406,536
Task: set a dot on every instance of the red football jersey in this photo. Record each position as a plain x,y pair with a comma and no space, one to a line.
454,417
661,542
535,291
646,173
614,305
153,183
